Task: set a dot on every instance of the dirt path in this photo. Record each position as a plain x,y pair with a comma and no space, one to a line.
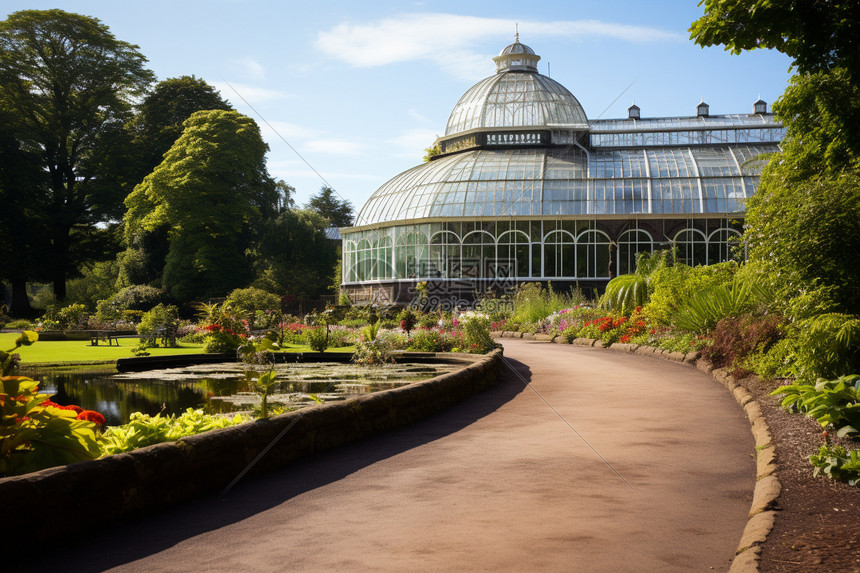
510,480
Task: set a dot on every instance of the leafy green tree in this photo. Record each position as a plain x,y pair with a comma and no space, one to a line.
70,82
160,117
295,256
212,192
818,35
337,211
156,126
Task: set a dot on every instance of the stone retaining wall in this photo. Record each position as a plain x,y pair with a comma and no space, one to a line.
68,500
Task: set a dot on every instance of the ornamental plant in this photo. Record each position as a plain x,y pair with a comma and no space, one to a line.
407,319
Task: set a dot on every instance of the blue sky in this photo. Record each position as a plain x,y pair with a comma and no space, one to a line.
359,89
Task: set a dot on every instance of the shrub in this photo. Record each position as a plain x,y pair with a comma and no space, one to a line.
736,338
72,316
433,340
624,293
407,318
162,322
476,332
378,350
317,338
837,463
135,297
19,324
428,320
673,284
700,311
533,303
248,302
220,342
828,346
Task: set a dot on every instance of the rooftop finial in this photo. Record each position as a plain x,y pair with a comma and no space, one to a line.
517,32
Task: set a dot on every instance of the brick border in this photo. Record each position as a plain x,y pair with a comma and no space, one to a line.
761,516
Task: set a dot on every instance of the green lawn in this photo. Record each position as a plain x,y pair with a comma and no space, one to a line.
81,350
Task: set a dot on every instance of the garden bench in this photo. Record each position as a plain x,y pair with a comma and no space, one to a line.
107,336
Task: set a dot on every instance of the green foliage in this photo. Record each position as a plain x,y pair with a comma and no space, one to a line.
497,308
69,82
220,343
829,402
338,212
828,346
624,293
144,430
8,360
837,463
294,255
370,331
703,309
734,339
72,316
255,305
431,152
532,302
373,352
97,282
672,285
212,192
36,434
407,319
817,35
264,384
135,297
476,332
161,322
432,340
317,338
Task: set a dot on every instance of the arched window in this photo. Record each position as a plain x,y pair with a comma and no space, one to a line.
349,262
364,255
479,253
722,245
630,244
513,255
444,255
410,251
383,268
692,247
592,254
558,254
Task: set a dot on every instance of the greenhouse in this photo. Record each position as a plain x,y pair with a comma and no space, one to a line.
525,188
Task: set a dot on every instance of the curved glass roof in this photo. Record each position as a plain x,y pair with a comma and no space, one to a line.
571,182
516,99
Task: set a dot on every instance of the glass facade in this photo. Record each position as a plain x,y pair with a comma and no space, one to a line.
527,188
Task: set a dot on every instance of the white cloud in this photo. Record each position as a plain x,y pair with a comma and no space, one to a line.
252,94
447,39
333,147
249,68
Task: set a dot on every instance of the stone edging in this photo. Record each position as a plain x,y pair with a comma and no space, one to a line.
761,515
84,496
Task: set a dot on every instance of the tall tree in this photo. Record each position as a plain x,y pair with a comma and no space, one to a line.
23,232
212,192
154,129
71,82
161,114
295,256
802,222
819,35
337,211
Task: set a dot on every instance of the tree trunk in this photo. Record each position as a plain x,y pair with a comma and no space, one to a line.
20,305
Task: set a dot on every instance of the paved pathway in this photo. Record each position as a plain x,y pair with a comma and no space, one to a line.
607,462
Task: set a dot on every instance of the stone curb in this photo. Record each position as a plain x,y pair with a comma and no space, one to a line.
767,489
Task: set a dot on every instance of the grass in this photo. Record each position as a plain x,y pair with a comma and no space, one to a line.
82,351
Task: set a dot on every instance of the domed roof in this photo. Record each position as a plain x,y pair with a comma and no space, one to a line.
517,48
516,99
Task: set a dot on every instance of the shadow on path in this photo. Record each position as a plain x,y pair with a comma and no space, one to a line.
128,542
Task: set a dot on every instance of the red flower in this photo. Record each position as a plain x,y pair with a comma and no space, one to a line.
92,416
625,338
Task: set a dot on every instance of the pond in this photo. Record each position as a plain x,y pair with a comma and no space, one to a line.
218,388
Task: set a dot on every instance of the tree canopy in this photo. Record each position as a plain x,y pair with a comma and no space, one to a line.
818,35
337,211
70,83
211,192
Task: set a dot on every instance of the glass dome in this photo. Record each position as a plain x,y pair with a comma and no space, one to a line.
516,96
